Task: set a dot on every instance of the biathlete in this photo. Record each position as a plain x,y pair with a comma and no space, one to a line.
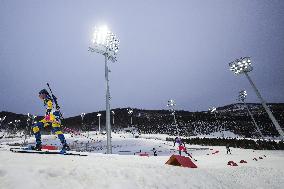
181,147
52,117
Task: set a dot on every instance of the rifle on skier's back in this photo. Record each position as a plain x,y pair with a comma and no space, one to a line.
54,98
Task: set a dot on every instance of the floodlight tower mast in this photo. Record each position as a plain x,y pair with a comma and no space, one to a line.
171,104
242,97
214,110
1,121
243,66
82,123
106,43
27,127
130,112
99,115
113,113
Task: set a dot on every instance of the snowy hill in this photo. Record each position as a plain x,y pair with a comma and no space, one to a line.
98,170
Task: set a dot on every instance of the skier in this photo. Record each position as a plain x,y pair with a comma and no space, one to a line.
51,118
181,145
182,148
177,140
154,152
228,149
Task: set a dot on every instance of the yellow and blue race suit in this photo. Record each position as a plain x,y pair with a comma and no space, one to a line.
51,118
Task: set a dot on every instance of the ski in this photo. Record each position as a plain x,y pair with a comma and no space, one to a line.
29,151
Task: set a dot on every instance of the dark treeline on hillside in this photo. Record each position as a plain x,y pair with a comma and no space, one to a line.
235,143
232,118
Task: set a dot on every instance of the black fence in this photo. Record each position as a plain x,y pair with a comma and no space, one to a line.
236,143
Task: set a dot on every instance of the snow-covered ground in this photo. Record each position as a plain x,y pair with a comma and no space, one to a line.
126,170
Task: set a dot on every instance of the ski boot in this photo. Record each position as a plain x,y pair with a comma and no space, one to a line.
65,148
37,147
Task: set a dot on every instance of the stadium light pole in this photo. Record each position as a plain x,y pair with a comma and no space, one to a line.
214,110
28,120
33,122
17,122
171,105
112,112
27,128
242,98
106,43
243,66
1,121
9,132
130,112
82,123
99,115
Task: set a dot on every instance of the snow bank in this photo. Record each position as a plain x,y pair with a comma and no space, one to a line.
28,171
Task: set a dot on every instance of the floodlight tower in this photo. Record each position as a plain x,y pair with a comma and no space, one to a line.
242,98
33,119
28,120
243,66
112,112
1,121
82,118
130,112
82,122
106,43
214,110
10,131
171,104
27,127
99,116
17,122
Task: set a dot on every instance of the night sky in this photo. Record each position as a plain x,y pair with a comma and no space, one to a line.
168,49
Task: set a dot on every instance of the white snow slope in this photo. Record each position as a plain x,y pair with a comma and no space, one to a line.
97,170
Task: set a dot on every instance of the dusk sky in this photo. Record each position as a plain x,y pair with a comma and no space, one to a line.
168,49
